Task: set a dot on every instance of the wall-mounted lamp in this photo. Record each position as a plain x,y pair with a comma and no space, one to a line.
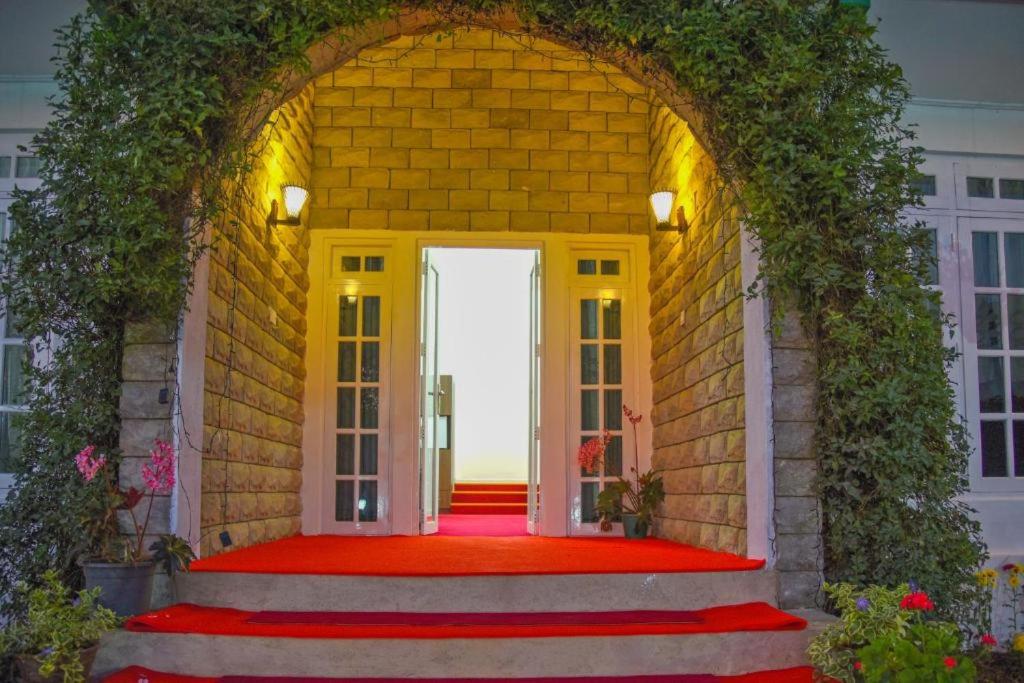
661,202
295,197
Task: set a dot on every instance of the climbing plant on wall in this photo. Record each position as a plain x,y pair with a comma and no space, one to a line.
798,106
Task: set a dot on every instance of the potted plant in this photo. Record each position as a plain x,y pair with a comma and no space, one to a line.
59,636
121,570
635,500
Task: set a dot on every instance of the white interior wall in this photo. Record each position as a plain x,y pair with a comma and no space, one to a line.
484,345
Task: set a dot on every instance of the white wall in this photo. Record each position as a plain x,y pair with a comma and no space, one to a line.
484,345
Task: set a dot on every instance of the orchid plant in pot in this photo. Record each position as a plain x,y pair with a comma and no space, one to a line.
633,499
122,569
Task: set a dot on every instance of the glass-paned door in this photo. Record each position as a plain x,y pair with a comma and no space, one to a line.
992,282
533,487
13,356
358,441
429,398
599,381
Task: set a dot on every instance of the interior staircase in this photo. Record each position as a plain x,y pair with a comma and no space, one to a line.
489,498
235,626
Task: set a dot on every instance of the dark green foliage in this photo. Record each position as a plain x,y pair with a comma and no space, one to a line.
800,109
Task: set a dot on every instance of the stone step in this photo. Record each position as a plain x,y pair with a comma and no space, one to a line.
516,593
504,658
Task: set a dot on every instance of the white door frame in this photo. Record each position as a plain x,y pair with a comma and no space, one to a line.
556,252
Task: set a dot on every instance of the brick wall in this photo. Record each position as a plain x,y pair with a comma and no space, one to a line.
253,412
480,131
698,358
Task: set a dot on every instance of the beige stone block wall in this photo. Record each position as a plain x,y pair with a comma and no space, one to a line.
480,131
255,349
697,340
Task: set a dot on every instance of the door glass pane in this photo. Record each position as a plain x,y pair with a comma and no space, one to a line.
1010,188
986,259
350,264
612,318
5,167
613,457
980,187
1018,448
991,397
8,441
371,316
932,255
367,454
348,311
1013,244
993,448
589,371
588,319
345,456
371,362
925,184
1015,320
1017,384
27,167
374,264
368,409
613,409
586,266
588,501
610,267
347,362
343,503
589,410
612,364
988,319
367,501
346,408
13,392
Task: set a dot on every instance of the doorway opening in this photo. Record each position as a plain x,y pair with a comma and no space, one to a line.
479,391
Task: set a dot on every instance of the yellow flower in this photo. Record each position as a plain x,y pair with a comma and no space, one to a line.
987,578
1018,642
1014,580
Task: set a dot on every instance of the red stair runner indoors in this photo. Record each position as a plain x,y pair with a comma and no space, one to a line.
481,525
487,498
138,674
196,619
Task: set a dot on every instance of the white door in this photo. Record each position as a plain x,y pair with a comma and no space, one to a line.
429,395
533,487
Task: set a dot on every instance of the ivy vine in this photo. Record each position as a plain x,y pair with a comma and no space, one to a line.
800,110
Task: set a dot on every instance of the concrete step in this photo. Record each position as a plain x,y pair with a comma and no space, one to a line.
727,653
517,593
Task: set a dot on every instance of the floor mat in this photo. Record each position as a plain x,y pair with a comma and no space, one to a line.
185,618
470,556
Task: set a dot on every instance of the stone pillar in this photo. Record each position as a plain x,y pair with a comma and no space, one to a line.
799,549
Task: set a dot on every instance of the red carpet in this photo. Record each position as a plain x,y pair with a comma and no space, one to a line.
481,525
135,674
477,618
470,556
486,498
185,618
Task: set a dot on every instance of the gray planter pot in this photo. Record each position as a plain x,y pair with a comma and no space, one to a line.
124,588
632,527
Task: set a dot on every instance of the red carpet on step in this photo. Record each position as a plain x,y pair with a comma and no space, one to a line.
470,556
481,525
186,618
799,675
477,618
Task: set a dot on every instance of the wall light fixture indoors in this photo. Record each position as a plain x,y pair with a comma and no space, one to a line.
295,197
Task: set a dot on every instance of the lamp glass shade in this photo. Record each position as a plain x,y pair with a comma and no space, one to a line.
662,202
295,197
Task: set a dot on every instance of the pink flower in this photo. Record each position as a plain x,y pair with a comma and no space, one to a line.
858,666
633,418
88,463
989,640
591,453
158,473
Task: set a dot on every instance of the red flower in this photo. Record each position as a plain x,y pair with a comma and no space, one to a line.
858,666
633,418
1008,567
918,600
989,640
950,662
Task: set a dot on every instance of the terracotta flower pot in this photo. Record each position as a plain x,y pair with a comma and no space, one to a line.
124,588
28,667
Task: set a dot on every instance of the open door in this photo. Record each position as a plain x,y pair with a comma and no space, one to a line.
533,488
429,398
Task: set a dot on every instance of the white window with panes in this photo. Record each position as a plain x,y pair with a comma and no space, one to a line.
12,379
